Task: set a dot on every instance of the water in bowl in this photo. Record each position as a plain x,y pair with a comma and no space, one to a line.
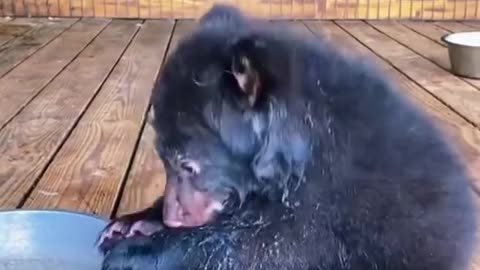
44,264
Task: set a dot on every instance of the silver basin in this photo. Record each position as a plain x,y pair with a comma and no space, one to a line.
49,239
464,53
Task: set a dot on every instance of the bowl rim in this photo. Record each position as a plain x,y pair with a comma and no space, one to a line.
444,38
58,211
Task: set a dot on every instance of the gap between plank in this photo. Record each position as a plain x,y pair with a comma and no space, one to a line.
23,106
27,194
13,36
420,33
123,181
420,54
38,49
399,70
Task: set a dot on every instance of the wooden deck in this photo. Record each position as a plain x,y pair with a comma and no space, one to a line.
74,102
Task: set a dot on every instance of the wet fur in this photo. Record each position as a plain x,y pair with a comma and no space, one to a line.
345,172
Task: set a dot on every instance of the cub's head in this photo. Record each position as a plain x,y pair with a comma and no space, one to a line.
213,118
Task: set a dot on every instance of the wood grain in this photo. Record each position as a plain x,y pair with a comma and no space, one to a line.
88,171
312,9
456,93
32,138
474,24
433,51
20,48
146,180
435,32
9,31
455,26
429,30
424,46
18,87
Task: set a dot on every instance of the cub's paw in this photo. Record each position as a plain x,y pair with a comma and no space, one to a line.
125,227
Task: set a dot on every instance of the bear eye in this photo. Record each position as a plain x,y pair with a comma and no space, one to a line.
189,166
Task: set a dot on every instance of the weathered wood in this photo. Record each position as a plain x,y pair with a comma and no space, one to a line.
146,180
422,45
435,33
455,26
88,171
430,30
20,48
455,92
429,49
318,9
32,138
18,87
9,31
474,24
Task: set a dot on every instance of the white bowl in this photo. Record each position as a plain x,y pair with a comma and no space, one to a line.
464,53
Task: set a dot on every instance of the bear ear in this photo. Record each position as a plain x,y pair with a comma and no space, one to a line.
247,77
246,67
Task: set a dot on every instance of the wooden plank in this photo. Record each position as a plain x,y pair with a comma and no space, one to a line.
19,49
87,173
325,9
454,92
463,134
455,26
18,87
31,139
446,27
422,45
146,180
430,30
474,24
9,31
431,50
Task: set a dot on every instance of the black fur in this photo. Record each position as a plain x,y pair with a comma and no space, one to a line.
330,168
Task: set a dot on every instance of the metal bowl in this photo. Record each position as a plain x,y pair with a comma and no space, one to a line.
49,239
464,53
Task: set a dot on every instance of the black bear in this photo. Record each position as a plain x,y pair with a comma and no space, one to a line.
283,153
